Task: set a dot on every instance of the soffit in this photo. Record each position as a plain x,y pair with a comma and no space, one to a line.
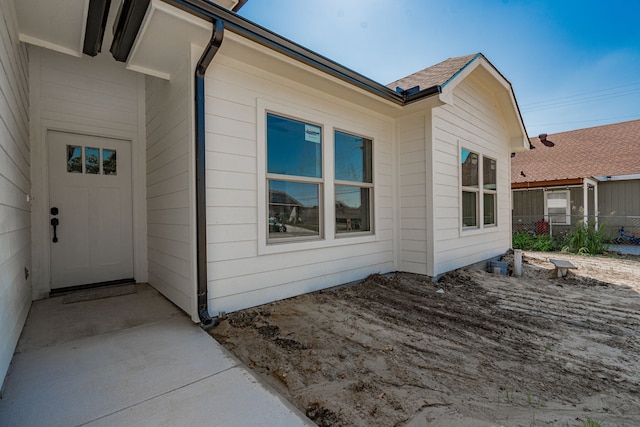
58,25
165,38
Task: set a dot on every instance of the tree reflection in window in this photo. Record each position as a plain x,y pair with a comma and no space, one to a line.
109,162
92,162
74,159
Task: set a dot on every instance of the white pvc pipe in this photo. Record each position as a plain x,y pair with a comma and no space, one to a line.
517,262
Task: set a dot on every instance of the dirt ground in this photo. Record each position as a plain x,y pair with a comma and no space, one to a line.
474,349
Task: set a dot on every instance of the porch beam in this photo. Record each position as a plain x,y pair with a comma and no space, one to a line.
95,27
549,183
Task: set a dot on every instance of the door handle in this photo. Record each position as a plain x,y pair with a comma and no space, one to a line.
54,223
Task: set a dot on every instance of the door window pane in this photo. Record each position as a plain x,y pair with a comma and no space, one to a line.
469,209
109,165
293,147
469,169
74,159
293,209
352,209
352,158
92,162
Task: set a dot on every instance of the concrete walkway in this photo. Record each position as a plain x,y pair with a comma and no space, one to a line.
132,360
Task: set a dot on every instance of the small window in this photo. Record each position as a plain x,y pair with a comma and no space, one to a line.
92,160
74,159
294,178
109,163
479,189
354,182
557,207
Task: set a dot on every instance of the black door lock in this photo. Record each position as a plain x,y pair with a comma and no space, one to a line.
54,223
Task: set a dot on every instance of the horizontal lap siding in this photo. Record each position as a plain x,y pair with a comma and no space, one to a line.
15,184
619,198
411,140
475,121
170,238
88,95
97,94
239,274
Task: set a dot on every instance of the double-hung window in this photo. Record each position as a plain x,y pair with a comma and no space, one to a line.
556,207
294,178
353,183
479,189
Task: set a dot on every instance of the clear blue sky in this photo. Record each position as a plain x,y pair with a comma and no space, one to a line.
573,64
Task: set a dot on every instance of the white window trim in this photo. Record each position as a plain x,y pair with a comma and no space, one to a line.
328,125
547,217
480,191
369,185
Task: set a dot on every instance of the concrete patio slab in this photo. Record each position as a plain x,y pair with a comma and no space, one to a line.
166,371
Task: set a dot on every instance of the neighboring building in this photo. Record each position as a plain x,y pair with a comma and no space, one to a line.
288,173
583,175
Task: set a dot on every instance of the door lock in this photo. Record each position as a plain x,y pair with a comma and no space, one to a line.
54,223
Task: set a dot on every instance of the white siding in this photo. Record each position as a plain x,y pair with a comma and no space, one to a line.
170,178
412,158
242,271
15,185
95,96
475,122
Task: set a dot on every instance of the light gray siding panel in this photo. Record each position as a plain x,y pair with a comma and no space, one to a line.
619,198
412,146
473,121
170,215
15,183
242,271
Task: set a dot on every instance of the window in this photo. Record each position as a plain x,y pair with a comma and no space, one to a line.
91,160
556,207
479,189
489,190
353,182
294,178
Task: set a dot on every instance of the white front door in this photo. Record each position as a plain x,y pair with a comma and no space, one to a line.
90,197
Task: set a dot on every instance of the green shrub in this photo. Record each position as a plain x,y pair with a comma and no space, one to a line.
522,240
585,239
543,243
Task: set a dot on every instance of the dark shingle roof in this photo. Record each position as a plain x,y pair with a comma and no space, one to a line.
436,75
598,151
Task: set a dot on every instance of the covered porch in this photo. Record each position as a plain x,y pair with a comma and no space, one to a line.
130,359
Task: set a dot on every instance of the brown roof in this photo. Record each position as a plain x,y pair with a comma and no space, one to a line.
598,151
436,75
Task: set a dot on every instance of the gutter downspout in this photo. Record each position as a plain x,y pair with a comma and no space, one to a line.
206,321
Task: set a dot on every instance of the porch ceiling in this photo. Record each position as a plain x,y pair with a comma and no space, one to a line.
165,38
58,25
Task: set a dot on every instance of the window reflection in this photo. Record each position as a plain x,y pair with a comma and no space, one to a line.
293,147
352,158
109,165
469,168
352,209
92,163
74,159
293,209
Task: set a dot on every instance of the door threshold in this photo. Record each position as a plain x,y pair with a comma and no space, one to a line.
70,289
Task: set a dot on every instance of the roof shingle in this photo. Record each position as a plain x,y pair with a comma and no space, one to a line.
598,151
436,75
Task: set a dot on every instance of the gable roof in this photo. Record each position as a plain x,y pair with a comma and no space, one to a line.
436,75
608,150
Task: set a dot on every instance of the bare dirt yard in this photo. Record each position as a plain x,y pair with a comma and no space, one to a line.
474,349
